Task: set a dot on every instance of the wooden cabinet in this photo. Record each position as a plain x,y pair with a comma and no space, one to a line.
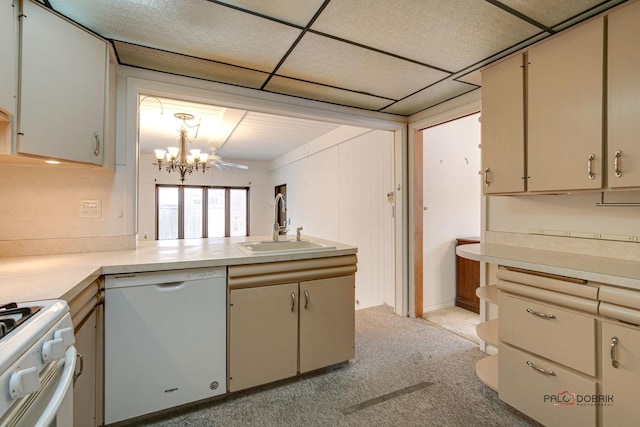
503,160
565,106
8,53
467,279
620,344
277,331
623,83
63,74
263,335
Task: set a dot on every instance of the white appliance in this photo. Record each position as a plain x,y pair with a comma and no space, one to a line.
165,340
37,363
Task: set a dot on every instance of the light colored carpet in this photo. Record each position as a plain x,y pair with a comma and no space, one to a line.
456,320
406,373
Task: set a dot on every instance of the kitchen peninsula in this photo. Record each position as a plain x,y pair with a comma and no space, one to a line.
295,308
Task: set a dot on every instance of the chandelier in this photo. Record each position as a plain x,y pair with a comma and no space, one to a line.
176,159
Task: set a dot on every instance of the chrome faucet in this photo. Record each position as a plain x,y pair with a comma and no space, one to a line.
276,227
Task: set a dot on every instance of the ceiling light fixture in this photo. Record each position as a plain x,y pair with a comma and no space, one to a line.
177,159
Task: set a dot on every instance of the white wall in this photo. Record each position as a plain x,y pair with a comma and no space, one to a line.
338,192
256,177
452,196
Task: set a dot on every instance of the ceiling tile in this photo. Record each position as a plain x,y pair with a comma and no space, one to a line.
334,63
429,97
264,137
293,11
196,27
450,34
551,12
167,62
308,90
473,78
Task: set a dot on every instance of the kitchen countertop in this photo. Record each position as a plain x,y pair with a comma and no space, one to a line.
613,271
63,276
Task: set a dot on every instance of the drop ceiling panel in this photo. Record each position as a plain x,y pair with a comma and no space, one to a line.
293,11
334,63
264,136
551,12
167,62
429,97
193,27
450,34
308,90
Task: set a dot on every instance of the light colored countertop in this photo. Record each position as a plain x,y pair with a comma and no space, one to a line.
613,271
64,276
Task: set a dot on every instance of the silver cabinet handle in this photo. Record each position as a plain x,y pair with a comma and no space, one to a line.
306,299
293,301
590,160
541,370
614,344
543,315
96,151
76,375
487,183
616,164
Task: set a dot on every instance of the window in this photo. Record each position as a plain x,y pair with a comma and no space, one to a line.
192,212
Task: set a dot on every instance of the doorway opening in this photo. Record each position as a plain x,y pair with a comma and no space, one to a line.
447,165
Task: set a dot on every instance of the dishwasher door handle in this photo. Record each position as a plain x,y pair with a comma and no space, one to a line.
170,287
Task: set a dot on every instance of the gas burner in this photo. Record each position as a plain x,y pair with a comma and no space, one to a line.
12,316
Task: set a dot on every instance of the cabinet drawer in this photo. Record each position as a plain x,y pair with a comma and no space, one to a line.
565,337
553,400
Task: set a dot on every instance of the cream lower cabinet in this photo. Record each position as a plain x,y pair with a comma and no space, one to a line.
277,331
620,374
263,335
88,321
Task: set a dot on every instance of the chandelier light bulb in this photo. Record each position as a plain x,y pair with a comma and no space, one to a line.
160,154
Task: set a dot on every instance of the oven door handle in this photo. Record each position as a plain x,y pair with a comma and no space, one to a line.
66,380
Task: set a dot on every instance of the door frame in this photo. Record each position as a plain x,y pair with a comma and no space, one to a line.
463,106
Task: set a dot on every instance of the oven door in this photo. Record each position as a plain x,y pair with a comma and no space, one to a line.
52,404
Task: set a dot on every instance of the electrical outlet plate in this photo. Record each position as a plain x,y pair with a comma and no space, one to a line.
90,209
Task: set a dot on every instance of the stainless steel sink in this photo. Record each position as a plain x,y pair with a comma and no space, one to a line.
286,246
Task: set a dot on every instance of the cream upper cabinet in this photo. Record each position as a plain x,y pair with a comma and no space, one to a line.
503,161
623,82
620,347
63,76
8,54
565,106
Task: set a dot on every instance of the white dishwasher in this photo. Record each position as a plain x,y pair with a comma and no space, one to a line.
165,340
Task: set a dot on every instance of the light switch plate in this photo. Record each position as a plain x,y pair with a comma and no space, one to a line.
91,209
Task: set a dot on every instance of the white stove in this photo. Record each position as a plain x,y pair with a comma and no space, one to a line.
37,363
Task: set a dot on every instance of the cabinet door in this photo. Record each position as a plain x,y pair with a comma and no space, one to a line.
623,144
84,388
8,54
263,335
503,163
565,105
622,381
327,322
63,79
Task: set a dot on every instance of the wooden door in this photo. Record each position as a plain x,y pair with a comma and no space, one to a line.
263,335
503,161
620,382
327,322
565,105
623,63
